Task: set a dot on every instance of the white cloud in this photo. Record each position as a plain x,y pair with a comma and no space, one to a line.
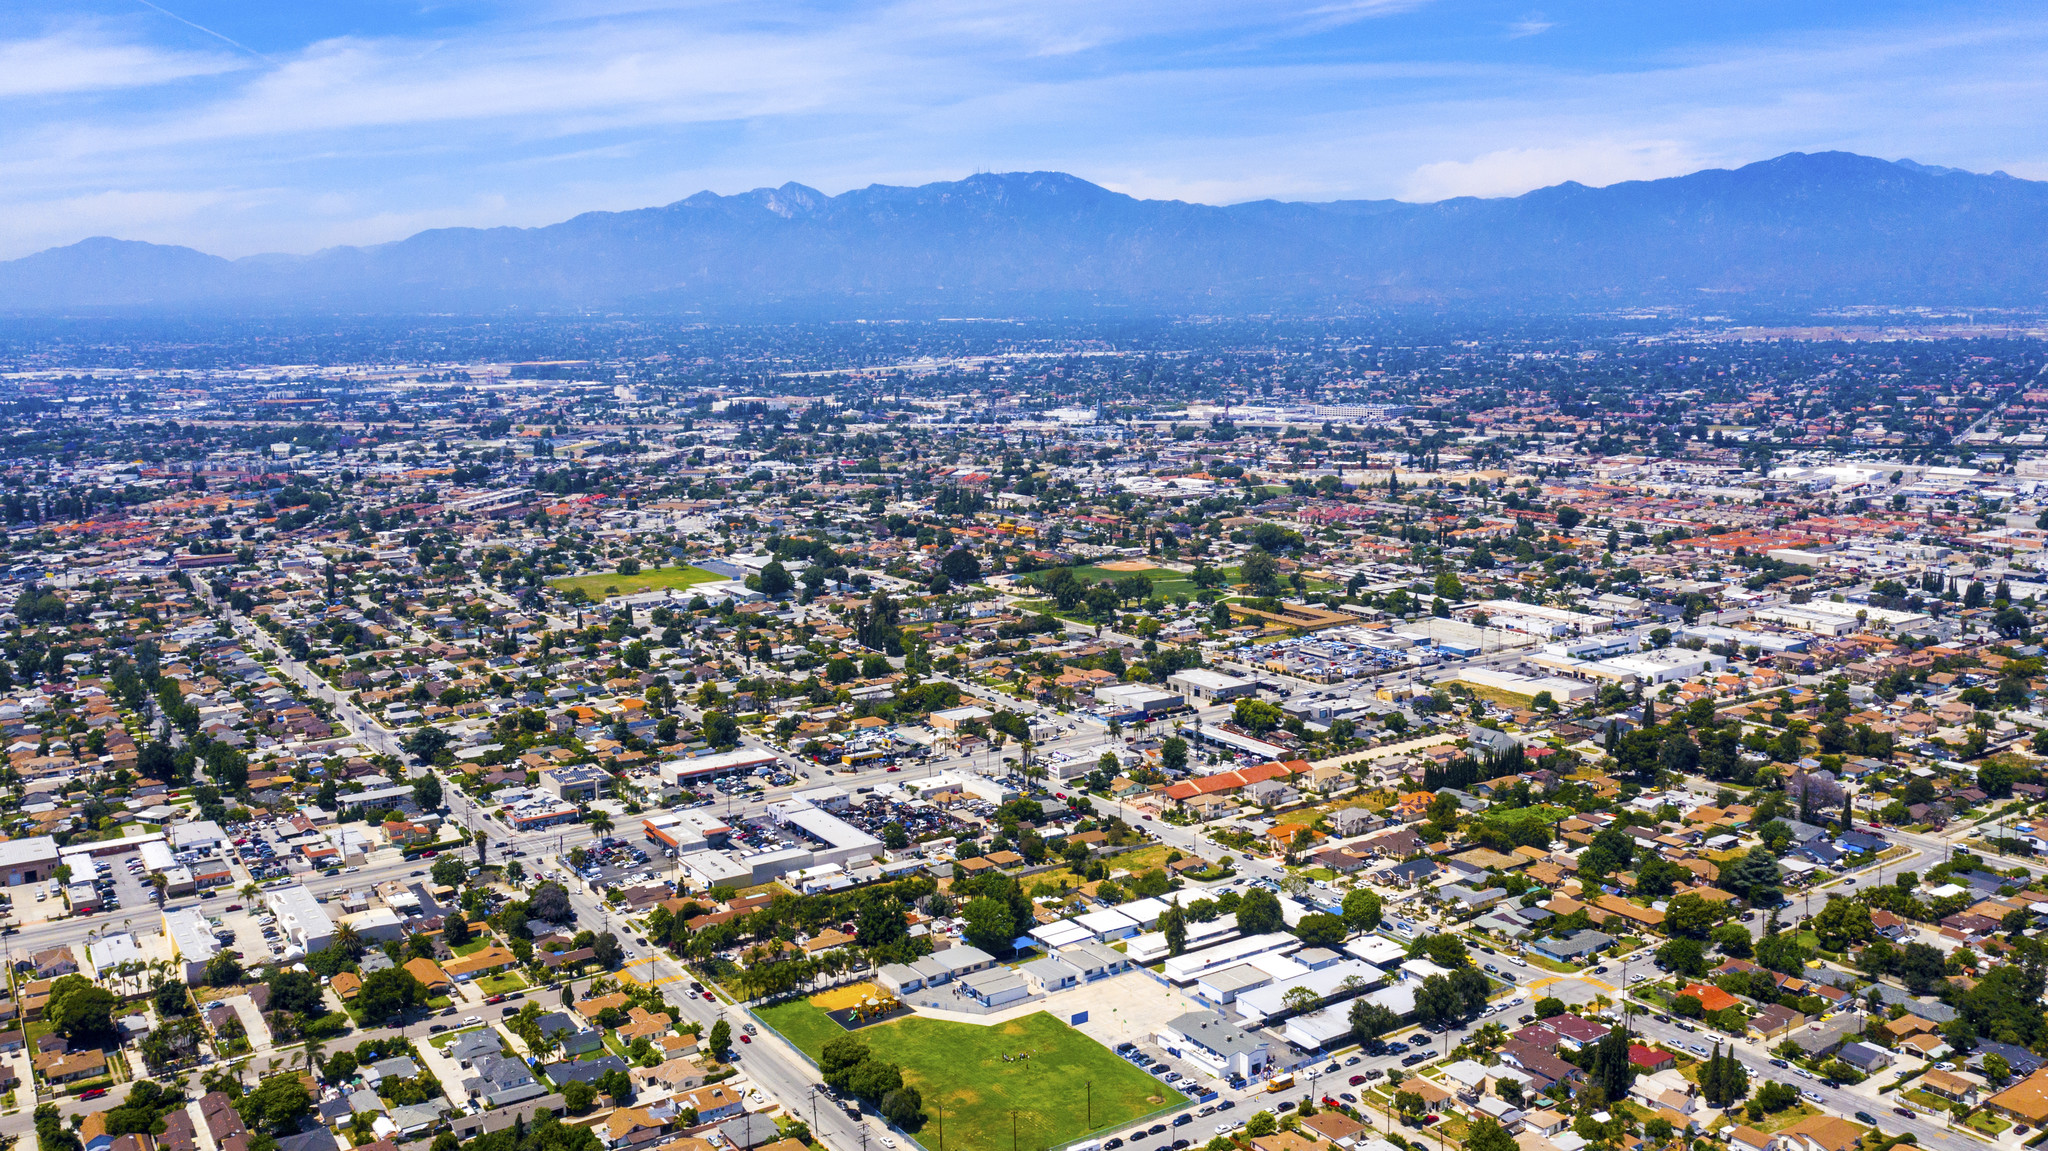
82,58
543,113
1512,171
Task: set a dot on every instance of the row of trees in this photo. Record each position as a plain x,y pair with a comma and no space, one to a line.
847,1065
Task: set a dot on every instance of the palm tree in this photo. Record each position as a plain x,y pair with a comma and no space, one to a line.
312,1052
161,882
345,937
600,823
250,891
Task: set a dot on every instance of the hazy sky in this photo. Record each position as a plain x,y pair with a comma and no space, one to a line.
246,127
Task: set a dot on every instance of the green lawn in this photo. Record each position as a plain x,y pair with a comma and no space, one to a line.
971,1090
649,579
472,947
1166,582
503,983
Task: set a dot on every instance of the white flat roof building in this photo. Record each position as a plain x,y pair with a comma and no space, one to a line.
1107,925
841,841
198,835
1151,947
192,938
1189,966
111,951
1210,686
300,917
1061,933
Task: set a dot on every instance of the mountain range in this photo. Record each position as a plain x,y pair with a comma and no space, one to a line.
1801,229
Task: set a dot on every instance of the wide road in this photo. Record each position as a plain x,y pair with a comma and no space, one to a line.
1842,1101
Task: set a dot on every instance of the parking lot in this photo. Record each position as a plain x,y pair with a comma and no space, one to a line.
614,862
260,847
121,883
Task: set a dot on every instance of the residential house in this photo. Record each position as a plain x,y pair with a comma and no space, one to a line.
628,1127
430,975
1773,1021
1573,948
1950,1086
1865,1057
2025,1101
1819,1133
714,1103
485,961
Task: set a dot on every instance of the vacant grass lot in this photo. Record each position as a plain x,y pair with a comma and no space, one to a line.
595,586
1166,582
971,1089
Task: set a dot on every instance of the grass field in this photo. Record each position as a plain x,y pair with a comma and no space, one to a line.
971,1090
503,983
1166,582
649,579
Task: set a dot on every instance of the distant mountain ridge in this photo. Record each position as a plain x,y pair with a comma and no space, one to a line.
1819,228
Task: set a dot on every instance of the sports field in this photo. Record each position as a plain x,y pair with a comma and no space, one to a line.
649,579
1061,1084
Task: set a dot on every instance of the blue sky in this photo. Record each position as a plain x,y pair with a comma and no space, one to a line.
243,127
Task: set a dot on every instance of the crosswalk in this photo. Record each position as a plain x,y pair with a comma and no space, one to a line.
1546,981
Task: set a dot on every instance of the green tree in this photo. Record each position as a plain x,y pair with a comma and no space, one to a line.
960,566
776,581
1173,924
1320,930
388,994
1371,1020
1448,587
297,992
426,791
1689,915
1173,753
1609,1066
79,1010
874,1080
990,924
449,871
1361,909
904,1107
1484,1134
579,1097
1443,950
838,1058
1437,1001
1259,572
1258,913
276,1105
1843,922
1755,877
1256,715
1685,956
1261,1125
